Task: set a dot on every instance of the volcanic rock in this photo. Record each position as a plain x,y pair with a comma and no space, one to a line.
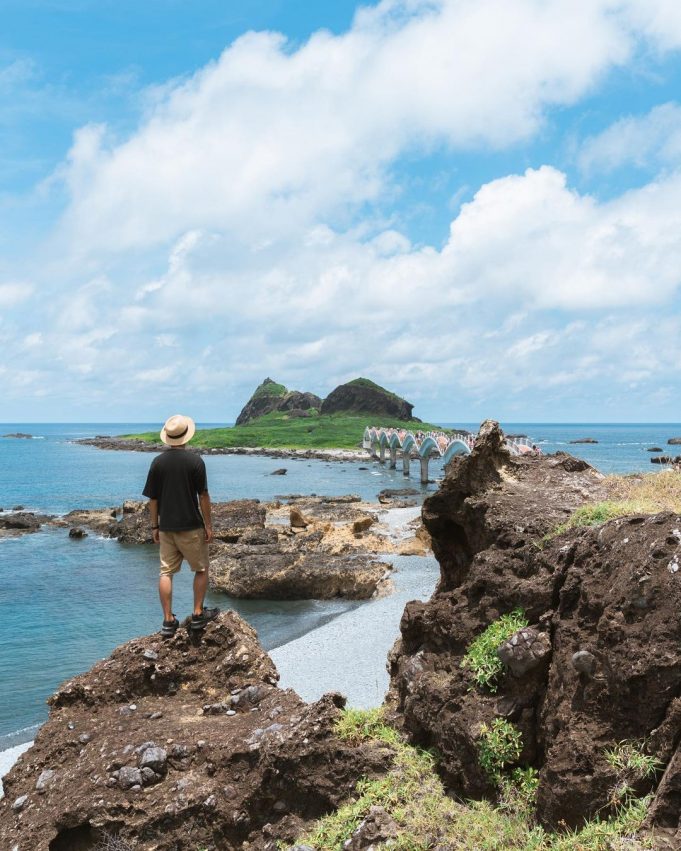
223,781
270,396
100,521
272,566
674,441
605,598
77,533
21,522
362,396
584,440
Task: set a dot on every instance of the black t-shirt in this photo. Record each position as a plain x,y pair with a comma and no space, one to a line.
176,478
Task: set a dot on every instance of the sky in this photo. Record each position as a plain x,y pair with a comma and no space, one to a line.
475,203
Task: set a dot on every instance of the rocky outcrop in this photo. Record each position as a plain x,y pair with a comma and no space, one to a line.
270,396
362,396
600,659
310,550
267,564
181,744
13,523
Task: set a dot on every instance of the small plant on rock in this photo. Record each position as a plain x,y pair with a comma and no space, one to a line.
481,657
500,745
631,765
518,793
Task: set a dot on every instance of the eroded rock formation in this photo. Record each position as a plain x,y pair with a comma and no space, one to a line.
270,396
601,659
180,744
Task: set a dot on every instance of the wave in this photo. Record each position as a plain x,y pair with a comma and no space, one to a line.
8,758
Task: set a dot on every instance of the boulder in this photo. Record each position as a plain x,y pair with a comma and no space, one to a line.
674,441
277,567
21,522
258,776
584,440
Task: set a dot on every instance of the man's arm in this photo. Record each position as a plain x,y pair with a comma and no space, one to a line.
204,502
153,515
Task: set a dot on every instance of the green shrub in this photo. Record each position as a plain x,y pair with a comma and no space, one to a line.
481,657
518,793
500,745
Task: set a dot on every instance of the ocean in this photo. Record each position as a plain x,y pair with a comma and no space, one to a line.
65,604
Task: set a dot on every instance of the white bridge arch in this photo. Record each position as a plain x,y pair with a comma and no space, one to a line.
425,445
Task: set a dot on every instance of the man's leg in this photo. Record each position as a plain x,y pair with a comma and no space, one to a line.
165,592
194,548
200,588
171,560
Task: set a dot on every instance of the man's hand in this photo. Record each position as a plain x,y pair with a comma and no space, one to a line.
209,533
155,536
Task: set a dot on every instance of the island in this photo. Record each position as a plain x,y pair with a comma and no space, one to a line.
278,420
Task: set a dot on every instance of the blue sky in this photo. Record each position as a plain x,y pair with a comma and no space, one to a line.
476,203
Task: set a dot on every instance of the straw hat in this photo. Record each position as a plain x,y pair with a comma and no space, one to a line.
178,430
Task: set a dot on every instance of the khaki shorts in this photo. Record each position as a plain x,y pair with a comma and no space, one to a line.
190,545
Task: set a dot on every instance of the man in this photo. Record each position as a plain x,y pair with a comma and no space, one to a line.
179,507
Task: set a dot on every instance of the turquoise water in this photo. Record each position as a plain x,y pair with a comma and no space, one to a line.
65,604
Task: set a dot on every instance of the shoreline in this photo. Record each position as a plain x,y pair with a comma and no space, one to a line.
395,527
118,444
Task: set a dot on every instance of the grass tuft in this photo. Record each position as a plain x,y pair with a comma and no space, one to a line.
639,493
481,657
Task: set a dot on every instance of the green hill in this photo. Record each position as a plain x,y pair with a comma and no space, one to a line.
340,424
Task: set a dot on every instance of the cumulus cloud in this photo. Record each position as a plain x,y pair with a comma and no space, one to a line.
647,141
14,293
234,233
270,137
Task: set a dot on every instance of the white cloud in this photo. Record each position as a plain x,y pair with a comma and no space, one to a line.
643,141
229,230
267,139
14,293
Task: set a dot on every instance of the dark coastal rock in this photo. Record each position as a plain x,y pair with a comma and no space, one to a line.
151,783
654,449
584,440
19,435
665,459
362,396
77,533
100,521
270,396
281,471
20,522
674,441
605,602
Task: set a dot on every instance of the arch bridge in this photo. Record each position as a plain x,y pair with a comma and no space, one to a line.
424,445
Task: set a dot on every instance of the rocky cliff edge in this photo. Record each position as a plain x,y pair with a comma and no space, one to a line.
175,744
599,662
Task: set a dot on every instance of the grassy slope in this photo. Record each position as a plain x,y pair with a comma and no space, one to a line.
277,430
426,818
